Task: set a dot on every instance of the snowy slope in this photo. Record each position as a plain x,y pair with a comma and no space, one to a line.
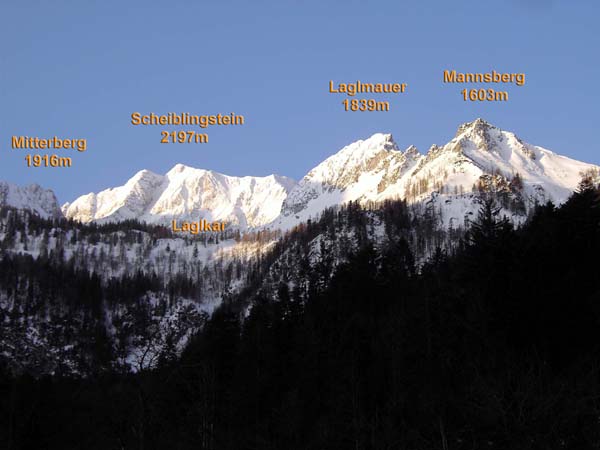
360,171
450,179
185,193
33,198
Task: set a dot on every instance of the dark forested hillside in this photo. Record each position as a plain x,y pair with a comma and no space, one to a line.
492,343
85,298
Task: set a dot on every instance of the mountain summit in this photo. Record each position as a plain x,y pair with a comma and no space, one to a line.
480,159
34,198
186,193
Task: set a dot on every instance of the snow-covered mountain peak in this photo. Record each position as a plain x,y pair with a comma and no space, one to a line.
186,193
385,140
33,197
178,168
486,137
358,171
491,148
363,150
480,158
412,152
477,126
179,171
345,166
144,176
373,145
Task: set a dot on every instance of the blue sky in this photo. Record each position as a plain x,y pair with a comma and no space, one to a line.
79,69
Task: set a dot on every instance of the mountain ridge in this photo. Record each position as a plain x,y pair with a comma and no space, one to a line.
31,197
480,157
184,192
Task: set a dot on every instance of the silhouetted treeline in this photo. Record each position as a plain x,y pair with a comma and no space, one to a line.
495,345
